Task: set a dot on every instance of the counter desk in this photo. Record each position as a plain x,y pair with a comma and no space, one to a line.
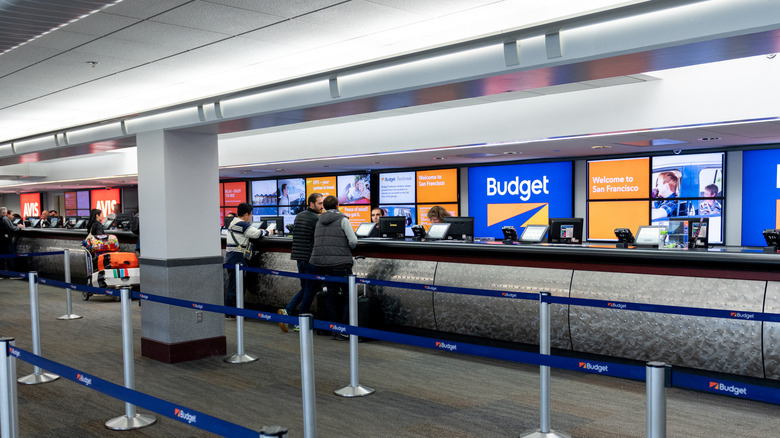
739,279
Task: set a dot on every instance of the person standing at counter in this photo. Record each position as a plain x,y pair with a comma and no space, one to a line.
95,223
238,248
334,239
437,214
7,232
302,245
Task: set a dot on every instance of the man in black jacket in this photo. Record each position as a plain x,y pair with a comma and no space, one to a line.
334,240
7,232
302,244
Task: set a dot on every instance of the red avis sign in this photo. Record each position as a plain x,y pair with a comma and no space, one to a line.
105,200
31,204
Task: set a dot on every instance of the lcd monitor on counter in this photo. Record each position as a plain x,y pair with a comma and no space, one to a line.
368,229
393,227
565,230
533,233
461,228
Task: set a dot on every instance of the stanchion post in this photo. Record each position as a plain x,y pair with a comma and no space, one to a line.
37,376
307,375
544,376
240,356
656,399
354,389
68,301
9,415
131,420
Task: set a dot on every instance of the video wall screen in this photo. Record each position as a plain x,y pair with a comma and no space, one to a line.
519,195
412,193
628,193
77,203
760,194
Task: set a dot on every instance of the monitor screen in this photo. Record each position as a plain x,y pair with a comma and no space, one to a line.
534,233
17,220
34,222
108,223
648,236
80,223
438,231
392,226
54,221
366,229
566,230
275,223
462,228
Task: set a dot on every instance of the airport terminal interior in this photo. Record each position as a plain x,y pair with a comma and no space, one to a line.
617,152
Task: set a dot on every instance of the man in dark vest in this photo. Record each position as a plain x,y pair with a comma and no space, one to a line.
302,244
334,239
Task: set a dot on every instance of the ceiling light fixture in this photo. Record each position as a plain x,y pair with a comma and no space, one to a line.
709,138
600,147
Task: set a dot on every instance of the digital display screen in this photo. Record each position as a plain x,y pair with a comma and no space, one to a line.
82,200
234,193
436,186
364,230
438,231
71,202
648,235
357,214
397,188
324,185
534,233
264,193
292,196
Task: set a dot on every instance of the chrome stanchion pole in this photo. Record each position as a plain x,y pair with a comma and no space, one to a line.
240,356
9,415
37,376
544,430
68,301
656,399
131,420
307,375
354,389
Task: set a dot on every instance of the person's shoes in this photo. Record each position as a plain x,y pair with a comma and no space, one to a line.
230,316
282,325
296,328
340,337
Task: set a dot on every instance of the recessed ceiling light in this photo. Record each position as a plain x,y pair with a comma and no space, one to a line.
279,170
601,147
439,158
709,138
511,153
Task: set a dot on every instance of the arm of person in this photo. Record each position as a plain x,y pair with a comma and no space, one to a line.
255,233
351,237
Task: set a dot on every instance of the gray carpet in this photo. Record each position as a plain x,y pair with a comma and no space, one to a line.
419,392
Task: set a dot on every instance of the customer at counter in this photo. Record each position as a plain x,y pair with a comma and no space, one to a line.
376,214
95,222
437,214
238,248
334,239
44,222
302,245
7,232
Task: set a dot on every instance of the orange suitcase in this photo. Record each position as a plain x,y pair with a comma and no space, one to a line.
117,260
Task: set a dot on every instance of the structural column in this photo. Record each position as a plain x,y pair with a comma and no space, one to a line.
181,256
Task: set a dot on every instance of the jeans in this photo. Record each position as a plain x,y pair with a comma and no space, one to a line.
230,289
305,296
337,298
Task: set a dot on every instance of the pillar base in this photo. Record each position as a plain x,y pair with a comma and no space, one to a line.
183,351
539,434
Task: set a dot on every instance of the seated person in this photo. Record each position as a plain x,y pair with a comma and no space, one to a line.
710,207
666,190
376,214
437,214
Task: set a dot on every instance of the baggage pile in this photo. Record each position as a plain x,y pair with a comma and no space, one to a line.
107,267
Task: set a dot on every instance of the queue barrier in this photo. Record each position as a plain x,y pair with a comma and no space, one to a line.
596,367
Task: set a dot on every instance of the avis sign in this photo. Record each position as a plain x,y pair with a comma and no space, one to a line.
105,200
31,204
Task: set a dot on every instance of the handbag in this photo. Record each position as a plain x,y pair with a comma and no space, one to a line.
247,251
101,243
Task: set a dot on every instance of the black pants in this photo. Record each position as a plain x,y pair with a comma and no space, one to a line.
338,294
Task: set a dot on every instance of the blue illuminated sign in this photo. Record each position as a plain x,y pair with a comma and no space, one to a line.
760,194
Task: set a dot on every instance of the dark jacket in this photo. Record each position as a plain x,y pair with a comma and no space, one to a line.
303,234
331,246
7,230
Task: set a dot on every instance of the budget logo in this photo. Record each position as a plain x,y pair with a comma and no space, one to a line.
433,288
508,295
264,316
84,379
741,315
338,328
731,389
594,367
197,306
616,305
14,352
526,213
446,346
185,416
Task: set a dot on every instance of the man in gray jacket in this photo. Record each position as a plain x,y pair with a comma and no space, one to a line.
334,239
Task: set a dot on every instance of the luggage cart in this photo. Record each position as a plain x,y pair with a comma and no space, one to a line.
108,278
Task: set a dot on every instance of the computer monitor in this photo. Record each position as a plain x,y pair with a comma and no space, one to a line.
438,231
33,221
533,233
54,222
274,222
368,229
392,226
624,235
108,223
698,230
122,221
81,223
565,230
648,236
462,228
418,232
17,220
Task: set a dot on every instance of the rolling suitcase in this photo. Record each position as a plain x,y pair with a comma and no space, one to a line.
116,278
369,314
116,260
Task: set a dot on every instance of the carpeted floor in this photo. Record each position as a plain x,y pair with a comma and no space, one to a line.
419,392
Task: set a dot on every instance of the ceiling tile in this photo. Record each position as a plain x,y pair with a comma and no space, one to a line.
143,9
301,34
280,8
433,8
60,40
132,50
216,18
168,35
362,17
100,24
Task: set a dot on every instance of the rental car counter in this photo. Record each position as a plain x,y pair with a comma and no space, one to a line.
737,279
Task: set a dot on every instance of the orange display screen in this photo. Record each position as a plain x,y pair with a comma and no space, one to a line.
435,186
233,193
604,217
324,185
619,179
357,214
105,200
